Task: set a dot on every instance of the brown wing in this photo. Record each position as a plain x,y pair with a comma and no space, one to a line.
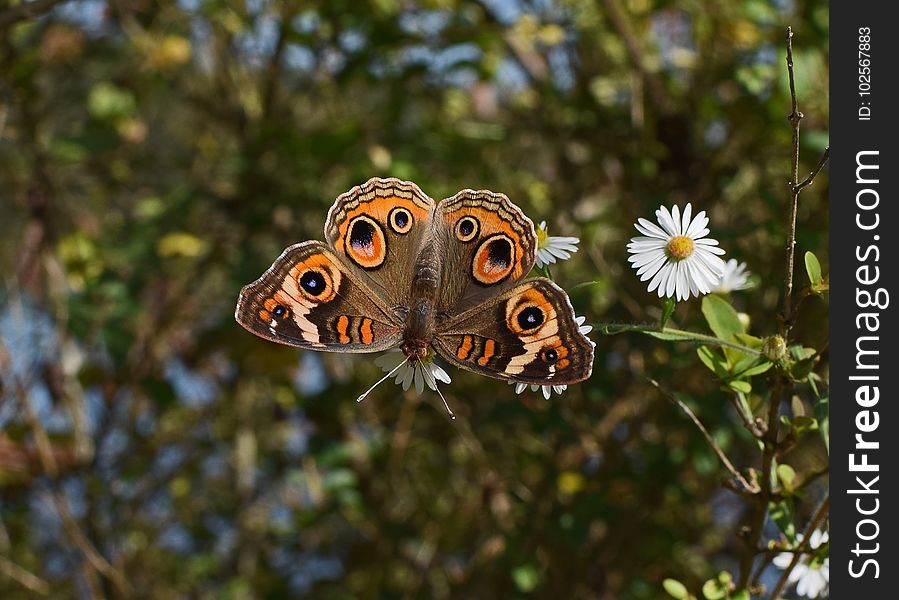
379,227
310,299
488,245
528,335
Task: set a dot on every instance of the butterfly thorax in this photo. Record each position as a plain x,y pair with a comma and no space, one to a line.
421,321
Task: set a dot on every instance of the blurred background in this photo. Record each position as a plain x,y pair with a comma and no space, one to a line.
156,156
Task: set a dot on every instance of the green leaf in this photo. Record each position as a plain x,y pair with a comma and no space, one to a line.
675,588
822,411
714,590
757,369
526,578
782,514
750,341
787,476
713,360
741,595
740,386
668,306
721,317
813,268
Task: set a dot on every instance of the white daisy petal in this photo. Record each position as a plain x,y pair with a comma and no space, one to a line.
685,219
667,221
650,229
698,225
650,269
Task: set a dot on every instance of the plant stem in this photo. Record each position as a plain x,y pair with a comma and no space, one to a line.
747,487
817,518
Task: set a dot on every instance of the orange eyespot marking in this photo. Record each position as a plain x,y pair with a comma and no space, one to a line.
464,349
265,315
527,313
365,332
489,347
400,220
494,259
365,243
467,228
343,323
316,280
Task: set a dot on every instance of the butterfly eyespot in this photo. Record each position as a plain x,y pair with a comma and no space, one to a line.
279,311
530,318
365,243
494,259
550,356
467,229
313,283
400,220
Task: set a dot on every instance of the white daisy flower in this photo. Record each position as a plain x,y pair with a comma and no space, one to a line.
552,247
549,389
734,278
421,373
546,389
676,258
811,576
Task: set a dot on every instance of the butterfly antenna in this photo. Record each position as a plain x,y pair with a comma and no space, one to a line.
380,381
433,381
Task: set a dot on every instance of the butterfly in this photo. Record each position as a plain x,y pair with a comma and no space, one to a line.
400,270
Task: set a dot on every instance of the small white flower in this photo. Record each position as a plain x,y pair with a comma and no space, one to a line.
424,372
812,578
421,373
552,247
734,278
677,258
549,389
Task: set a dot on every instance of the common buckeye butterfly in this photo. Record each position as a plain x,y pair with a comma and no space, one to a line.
400,270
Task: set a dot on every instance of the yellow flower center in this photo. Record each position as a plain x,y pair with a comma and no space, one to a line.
679,247
542,237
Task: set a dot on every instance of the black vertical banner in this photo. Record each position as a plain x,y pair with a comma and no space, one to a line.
864,254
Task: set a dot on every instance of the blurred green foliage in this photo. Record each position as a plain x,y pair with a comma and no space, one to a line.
156,156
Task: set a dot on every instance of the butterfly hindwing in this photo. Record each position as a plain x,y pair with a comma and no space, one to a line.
309,298
528,334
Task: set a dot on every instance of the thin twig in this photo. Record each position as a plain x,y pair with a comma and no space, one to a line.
708,438
811,176
817,518
49,466
795,118
635,53
26,10
24,577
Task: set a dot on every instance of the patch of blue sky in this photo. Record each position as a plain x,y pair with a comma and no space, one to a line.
510,77
88,15
310,378
505,11
257,44
306,22
176,538
191,388
561,68
352,40
299,58
425,23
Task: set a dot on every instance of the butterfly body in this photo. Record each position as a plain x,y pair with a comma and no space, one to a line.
400,270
